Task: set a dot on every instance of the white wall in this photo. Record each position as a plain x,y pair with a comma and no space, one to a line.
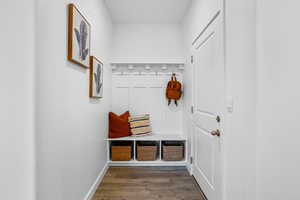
142,94
140,42
239,136
240,141
70,127
16,115
148,43
278,96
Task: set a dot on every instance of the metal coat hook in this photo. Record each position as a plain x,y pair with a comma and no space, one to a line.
147,69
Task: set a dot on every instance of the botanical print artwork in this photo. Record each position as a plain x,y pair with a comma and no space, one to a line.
79,37
96,78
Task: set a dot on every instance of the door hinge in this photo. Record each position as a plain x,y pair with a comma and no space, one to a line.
192,59
191,160
218,119
192,109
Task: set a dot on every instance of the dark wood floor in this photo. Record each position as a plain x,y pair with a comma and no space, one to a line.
148,183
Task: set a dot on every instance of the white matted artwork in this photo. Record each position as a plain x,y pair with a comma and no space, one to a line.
79,33
96,78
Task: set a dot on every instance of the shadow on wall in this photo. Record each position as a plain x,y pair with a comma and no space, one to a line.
172,107
94,100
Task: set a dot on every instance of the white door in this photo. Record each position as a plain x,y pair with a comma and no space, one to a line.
208,98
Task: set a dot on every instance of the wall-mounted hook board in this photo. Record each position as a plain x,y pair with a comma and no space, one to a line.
147,68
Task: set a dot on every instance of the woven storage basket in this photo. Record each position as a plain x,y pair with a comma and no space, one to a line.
173,153
146,153
121,153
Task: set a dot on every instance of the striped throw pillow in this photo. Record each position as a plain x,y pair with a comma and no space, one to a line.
140,124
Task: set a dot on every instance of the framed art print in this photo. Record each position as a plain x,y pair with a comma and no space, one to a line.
79,38
96,78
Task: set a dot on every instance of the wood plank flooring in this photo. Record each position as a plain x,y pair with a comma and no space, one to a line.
148,183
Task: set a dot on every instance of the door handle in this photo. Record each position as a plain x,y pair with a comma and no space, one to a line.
216,132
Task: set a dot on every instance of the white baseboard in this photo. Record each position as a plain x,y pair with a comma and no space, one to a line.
189,167
96,184
147,163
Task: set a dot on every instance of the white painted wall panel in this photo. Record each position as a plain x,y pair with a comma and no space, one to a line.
278,175
241,79
146,94
158,42
17,100
71,127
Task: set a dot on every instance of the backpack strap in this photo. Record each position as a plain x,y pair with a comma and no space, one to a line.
173,77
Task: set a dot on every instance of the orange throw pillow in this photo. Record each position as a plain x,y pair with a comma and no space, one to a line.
118,125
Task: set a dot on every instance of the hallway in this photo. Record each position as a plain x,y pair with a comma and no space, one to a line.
148,183
150,100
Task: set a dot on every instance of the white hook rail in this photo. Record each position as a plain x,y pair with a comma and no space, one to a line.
147,68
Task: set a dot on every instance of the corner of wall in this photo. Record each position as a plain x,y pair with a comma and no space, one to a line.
70,127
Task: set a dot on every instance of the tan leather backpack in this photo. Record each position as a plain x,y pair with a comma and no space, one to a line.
173,90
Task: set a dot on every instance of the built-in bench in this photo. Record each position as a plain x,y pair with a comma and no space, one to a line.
159,140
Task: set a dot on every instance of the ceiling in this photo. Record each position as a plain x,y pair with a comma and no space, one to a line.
147,11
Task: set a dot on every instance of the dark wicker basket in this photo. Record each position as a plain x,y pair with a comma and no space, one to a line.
146,151
121,153
173,152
